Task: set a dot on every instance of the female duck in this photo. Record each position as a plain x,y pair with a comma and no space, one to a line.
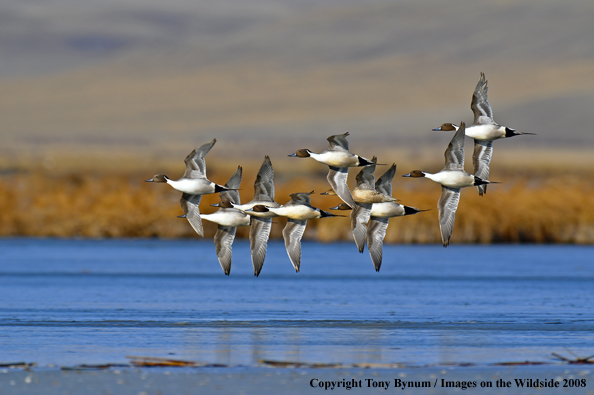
380,214
365,196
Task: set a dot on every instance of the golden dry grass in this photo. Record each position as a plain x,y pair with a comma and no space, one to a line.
525,208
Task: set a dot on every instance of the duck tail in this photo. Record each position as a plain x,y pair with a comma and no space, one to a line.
408,210
509,132
364,162
327,214
479,181
220,188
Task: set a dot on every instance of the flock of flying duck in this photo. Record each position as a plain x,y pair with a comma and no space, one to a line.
371,203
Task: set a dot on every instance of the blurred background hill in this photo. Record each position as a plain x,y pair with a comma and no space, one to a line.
133,86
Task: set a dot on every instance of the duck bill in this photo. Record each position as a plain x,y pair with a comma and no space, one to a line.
181,216
293,155
437,129
215,205
149,180
406,175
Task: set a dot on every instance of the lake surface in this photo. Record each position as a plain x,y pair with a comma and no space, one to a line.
68,302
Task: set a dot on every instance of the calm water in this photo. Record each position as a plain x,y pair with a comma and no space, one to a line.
69,302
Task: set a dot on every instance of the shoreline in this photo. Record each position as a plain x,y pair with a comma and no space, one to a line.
289,380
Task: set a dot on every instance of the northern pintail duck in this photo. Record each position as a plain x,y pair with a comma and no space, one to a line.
339,159
452,178
193,184
484,130
228,219
381,212
298,210
261,221
364,195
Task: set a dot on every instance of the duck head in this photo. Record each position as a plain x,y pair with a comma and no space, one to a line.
415,173
158,178
446,127
259,209
302,153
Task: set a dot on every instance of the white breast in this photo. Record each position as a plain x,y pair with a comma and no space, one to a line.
487,132
452,178
228,217
298,212
336,158
197,186
387,210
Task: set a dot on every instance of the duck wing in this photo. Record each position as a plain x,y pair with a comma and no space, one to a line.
480,105
195,165
481,159
338,142
292,233
264,185
376,232
337,178
384,184
359,218
447,206
259,234
454,154
365,179
223,240
190,204
300,198
232,195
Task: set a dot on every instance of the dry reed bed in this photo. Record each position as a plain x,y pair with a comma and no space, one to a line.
96,204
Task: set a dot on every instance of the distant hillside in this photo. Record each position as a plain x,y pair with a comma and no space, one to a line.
91,75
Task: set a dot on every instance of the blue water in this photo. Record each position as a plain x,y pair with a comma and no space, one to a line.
68,302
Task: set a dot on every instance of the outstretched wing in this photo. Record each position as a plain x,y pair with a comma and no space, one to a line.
454,154
292,233
259,234
359,218
384,184
376,232
232,196
337,178
223,243
447,206
365,178
264,185
195,165
300,198
338,142
481,159
190,204
480,105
